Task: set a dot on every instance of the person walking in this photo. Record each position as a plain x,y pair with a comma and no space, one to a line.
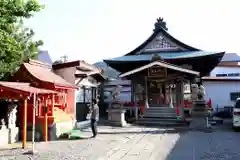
94,117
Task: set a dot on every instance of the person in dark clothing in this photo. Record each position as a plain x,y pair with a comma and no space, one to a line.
94,117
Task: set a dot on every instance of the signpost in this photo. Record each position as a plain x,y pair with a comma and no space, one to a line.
157,71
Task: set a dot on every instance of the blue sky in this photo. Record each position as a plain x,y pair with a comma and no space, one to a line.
93,30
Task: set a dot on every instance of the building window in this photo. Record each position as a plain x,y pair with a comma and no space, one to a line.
234,96
80,96
94,93
88,95
228,75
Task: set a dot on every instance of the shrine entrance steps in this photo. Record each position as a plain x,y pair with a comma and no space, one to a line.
160,116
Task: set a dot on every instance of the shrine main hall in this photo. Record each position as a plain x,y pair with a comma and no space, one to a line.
160,68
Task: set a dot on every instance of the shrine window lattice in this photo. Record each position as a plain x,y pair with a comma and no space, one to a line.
161,43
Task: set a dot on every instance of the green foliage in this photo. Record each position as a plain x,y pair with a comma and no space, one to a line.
16,41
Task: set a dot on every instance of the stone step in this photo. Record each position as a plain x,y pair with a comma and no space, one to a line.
160,115
156,116
160,112
164,112
162,122
160,118
159,108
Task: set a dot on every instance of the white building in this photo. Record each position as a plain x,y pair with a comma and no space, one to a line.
223,84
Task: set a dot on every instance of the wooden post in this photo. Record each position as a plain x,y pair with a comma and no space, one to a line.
84,94
178,92
165,93
53,102
24,128
34,122
146,92
182,99
132,91
45,121
12,100
40,106
160,93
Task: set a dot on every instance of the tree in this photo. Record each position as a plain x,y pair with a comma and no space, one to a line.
16,41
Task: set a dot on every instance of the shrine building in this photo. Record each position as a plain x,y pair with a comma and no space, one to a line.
160,69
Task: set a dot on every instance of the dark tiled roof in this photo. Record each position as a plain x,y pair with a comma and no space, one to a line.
165,56
231,57
44,57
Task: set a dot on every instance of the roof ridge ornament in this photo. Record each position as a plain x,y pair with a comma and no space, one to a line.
160,24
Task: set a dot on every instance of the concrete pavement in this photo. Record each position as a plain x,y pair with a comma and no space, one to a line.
130,143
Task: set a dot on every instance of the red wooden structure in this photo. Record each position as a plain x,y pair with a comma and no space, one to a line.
23,92
59,107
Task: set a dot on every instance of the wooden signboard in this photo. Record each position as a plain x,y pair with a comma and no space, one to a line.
157,71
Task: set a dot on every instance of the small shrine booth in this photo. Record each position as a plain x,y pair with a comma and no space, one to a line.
20,98
59,108
161,67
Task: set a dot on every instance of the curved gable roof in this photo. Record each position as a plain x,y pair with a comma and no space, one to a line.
167,35
44,73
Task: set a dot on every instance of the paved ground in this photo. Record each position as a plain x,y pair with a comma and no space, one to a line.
139,143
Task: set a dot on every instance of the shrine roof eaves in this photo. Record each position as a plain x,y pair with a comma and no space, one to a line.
25,88
78,63
161,64
163,55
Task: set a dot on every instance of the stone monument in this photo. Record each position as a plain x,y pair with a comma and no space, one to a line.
3,124
3,133
116,113
12,117
199,111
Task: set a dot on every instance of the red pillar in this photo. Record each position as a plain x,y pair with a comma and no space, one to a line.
24,124
40,106
45,121
53,102
142,108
